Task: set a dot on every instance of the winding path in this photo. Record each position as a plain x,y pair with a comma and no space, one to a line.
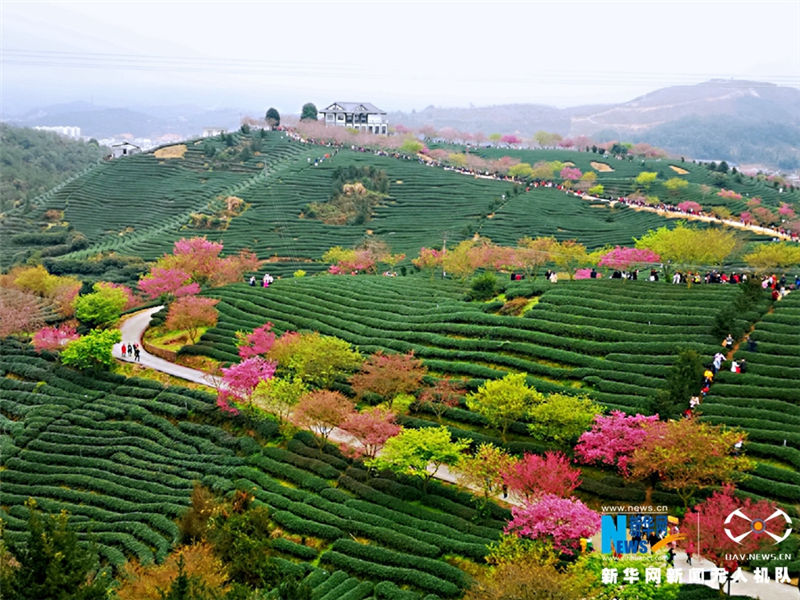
133,329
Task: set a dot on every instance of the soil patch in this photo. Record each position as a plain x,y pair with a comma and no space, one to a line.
601,167
678,170
176,151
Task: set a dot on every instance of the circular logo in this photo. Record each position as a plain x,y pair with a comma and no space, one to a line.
758,526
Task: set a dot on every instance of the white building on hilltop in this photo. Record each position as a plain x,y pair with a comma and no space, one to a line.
124,149
362,116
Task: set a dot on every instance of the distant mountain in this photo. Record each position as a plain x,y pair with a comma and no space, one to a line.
104,122
739,121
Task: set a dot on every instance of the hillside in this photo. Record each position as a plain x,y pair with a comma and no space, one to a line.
123,453
737,121
32,162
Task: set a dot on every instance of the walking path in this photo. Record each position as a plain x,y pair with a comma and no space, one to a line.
671,214
133,329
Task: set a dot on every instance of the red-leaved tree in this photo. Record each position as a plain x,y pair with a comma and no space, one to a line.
690,206
190,313
613,439
444,394
710,515
54,338
371,427
322,411
256,343
19,312
534,476
389,375
563,521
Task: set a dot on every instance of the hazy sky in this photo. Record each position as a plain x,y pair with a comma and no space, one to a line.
396,55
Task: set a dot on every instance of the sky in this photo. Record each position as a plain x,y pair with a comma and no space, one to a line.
397,55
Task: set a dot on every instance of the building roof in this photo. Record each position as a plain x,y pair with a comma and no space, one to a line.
353,107
124,144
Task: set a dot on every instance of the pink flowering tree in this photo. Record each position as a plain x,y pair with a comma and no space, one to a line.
170,282
765,216
190,314
429,259
570,174
786,211
562,521
256,343
753,202
240,380
729,194
613,439
54,338
583,274
371,427
534,476
511,140
624,258
690,207
746,217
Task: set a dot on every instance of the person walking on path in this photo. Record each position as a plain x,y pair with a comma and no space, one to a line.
689,552
728,343
123,349
136,354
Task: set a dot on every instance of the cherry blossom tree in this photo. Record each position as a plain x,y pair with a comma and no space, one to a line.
172,282
613,439
786,211
570,174
534,476
256,343
563,521
624,258
690,206
322,411
190,313
240,379
371,427
19,312
729,194
54,338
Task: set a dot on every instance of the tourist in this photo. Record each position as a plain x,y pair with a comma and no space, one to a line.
253,280
735,367
718,358
136,352
728,343
123,350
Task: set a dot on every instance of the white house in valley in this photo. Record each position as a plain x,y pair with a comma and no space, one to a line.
362,116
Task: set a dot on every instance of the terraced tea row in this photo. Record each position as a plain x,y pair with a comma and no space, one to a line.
122,455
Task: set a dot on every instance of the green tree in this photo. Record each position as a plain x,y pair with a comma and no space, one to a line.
503,401
278,396
309,112
273,117
92,351
683,381
768,257
561,418
646,179
412,146
570,255
50,562
686,246
315,359
419,452
101,307
484,470
522,170
675,185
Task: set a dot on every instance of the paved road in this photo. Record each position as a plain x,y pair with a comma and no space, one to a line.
134,327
